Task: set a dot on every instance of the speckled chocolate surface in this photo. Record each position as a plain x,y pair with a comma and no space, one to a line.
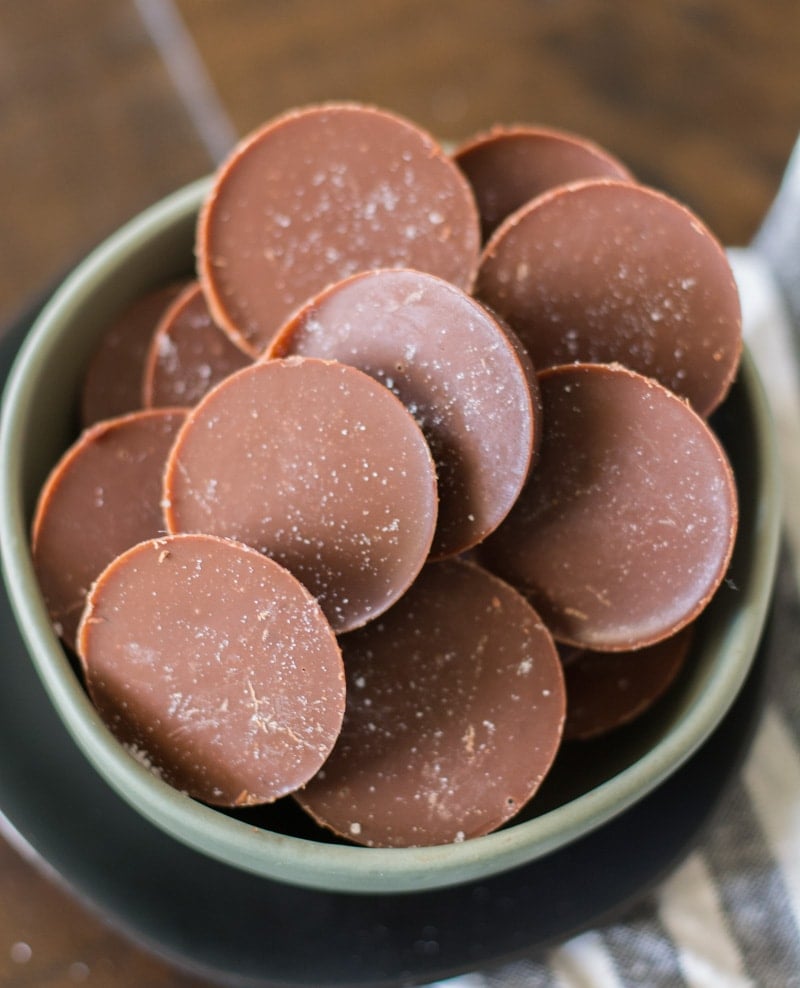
604,271
454,714
317,465
214,666
319,194
627,525
188,354
457,369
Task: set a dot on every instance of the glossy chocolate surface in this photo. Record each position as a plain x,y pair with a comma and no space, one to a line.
509,166
604,271
626,527
214,667
454,714
319,194
102,497
320,467
455,367
188,354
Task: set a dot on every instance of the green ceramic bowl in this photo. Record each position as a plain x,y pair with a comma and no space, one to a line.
39,422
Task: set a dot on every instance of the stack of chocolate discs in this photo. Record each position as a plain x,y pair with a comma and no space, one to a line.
413,482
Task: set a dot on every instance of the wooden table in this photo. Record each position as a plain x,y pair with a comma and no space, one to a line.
106,105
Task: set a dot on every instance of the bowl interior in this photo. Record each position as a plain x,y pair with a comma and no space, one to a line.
591,781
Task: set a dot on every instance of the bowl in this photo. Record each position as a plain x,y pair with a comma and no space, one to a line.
583,791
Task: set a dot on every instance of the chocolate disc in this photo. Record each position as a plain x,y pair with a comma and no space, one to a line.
469,385
188,354
322,193
102,497
626,527
454,714
509,166
605,271
608,689
320,467
215,667
113,382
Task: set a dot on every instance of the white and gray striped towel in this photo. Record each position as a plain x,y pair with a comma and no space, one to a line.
729,915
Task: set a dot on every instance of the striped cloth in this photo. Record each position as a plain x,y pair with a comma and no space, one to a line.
729,915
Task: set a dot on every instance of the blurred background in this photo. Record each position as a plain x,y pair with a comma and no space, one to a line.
106,105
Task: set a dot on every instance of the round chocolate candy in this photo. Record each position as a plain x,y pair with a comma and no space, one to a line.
188,354
319,194
214,666
606,690
112,385
102,497
463,376
317,465
604,271
454,714
509,166
626,527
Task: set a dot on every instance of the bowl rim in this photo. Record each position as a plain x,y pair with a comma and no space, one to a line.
297,860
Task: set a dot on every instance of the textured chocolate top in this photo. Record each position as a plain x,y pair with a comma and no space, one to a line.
102,497
317,465
215,667
188,354
113,382
626,526
608,689
606,271
454,713
319,194
509,166
468,384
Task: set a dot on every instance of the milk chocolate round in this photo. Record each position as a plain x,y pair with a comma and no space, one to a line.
509,166
317,465
215,667
468,383
319,194
112,385
102,497
188,354
606,690
604,271
454,714
626,527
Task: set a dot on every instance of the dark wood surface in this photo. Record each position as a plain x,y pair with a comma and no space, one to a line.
103,110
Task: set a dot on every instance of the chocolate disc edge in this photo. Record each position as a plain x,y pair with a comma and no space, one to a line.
726,474
637,188
171,466
204,264
163,544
